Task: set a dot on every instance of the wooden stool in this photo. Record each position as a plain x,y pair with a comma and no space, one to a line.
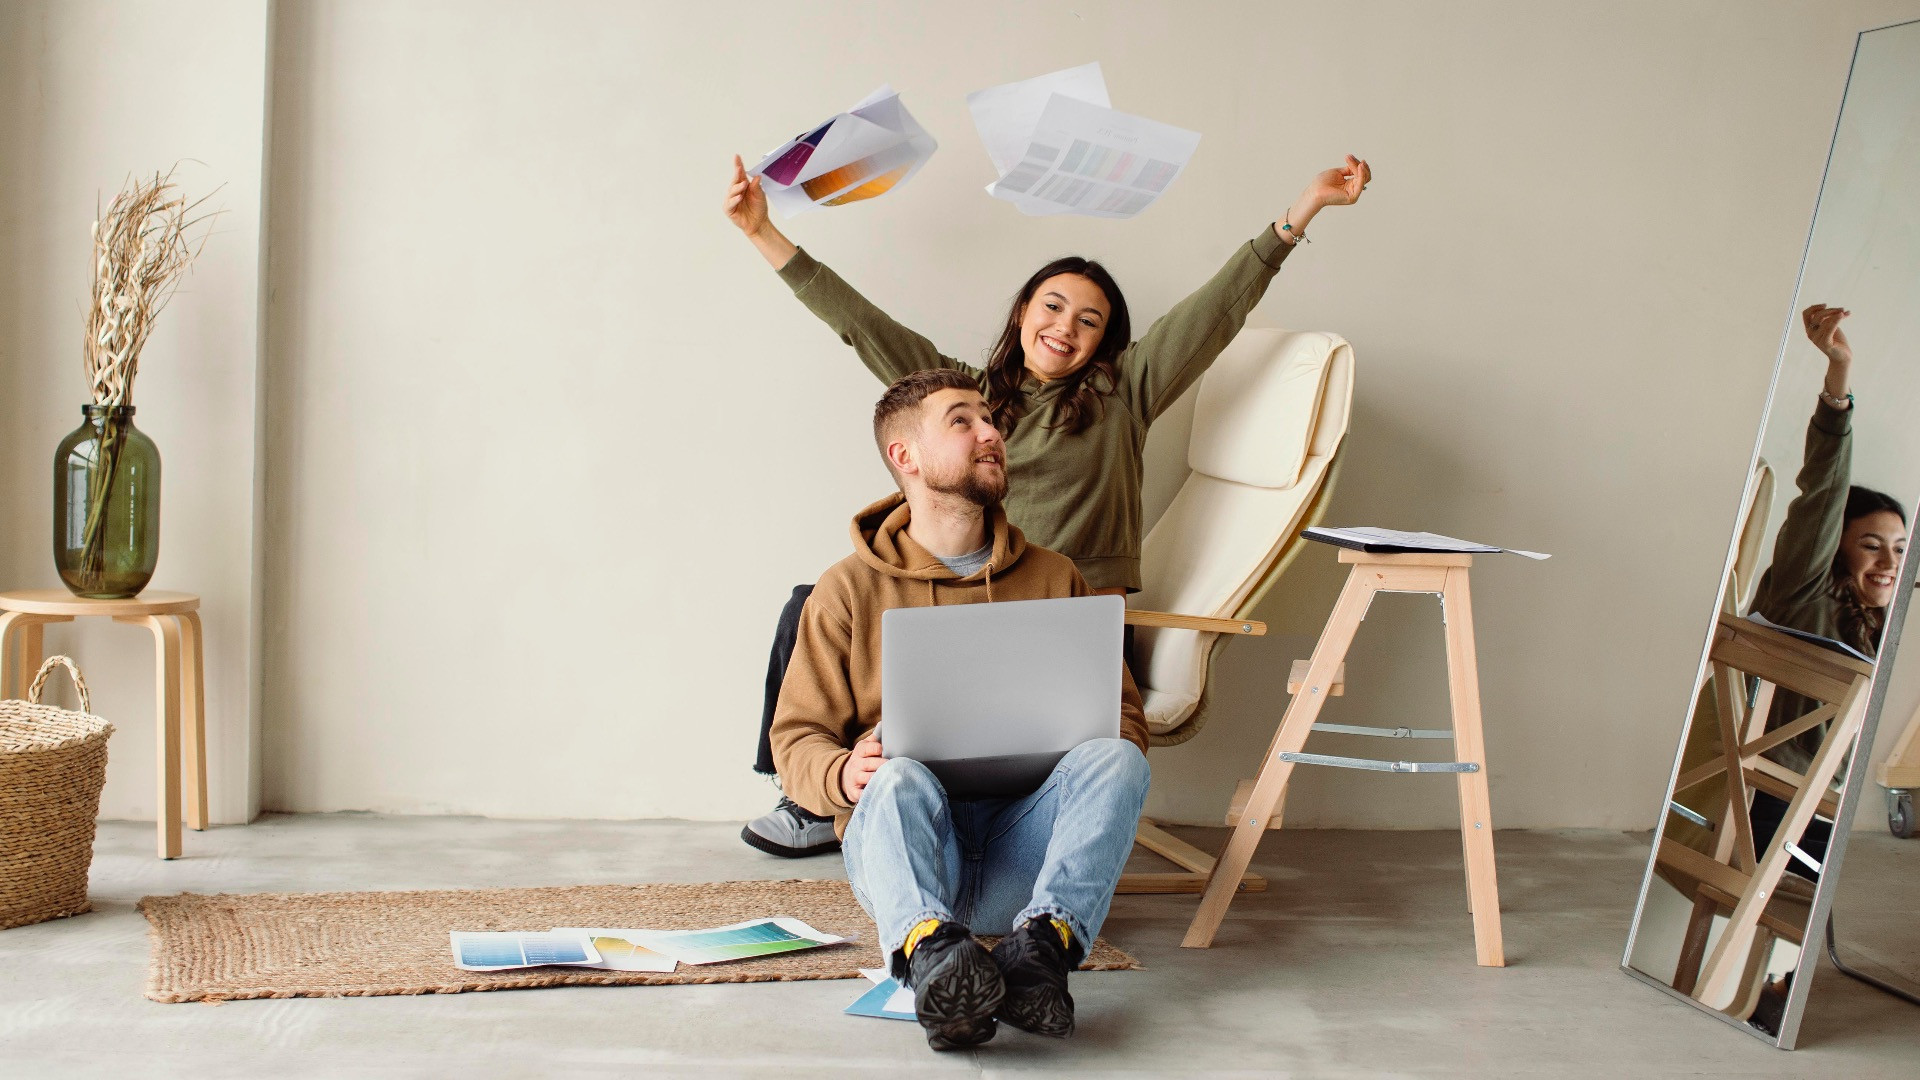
1749,885
1418,572
179,677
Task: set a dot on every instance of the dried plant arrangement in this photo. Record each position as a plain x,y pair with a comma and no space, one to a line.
144,241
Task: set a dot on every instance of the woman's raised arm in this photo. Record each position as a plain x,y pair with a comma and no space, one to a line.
888,349
1182,344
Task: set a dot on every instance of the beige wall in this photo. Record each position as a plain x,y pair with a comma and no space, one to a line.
90,93
545,443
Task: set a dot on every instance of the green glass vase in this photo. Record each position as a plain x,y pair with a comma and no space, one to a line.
106,505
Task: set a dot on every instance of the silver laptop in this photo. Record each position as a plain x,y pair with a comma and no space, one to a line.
991,696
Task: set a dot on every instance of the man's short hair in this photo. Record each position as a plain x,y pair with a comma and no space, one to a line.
897,407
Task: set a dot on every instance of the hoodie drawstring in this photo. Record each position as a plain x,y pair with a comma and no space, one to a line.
933,594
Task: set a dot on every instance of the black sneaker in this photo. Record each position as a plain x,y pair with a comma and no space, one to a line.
791,832
956,988
1034,964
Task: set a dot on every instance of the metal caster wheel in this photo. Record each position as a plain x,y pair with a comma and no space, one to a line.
1900,813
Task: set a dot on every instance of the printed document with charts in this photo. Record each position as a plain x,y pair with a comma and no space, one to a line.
1060,147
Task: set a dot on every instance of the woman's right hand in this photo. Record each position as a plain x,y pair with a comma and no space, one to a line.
746,207
746,204
1823,329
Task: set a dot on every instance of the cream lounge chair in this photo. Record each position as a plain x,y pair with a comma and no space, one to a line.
1268,425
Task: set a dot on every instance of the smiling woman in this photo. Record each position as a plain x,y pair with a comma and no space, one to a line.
1069,388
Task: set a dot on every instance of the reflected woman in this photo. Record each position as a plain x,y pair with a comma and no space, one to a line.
1835,560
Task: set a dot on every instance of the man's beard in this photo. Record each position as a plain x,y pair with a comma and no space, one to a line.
972,486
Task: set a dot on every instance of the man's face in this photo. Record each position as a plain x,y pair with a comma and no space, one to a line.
958,449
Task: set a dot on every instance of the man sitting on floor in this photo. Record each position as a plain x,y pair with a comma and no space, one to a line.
1040,870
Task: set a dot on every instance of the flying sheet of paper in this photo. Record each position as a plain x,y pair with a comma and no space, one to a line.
867,151
740,941
1006,115
619,950
885,999
491,951
1076,154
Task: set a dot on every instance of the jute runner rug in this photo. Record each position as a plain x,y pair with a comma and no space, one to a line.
276,945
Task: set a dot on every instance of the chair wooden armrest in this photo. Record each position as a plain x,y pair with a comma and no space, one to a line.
1245,627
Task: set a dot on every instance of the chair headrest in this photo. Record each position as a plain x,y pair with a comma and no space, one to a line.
1260,404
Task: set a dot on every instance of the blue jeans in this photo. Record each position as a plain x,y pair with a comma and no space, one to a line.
992,864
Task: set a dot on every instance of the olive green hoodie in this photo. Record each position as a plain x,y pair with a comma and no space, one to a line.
1078,494
831,696
1798,588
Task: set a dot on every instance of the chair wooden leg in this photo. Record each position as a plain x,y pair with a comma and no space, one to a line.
1476,808
1726,692
166,691
1721,982
193,719
1195,864
1693,948
1291,736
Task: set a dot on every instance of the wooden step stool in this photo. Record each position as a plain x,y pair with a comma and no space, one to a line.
1444,574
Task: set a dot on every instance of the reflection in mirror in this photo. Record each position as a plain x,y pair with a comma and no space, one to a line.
1734,905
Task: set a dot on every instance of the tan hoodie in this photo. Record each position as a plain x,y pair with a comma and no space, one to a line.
831,696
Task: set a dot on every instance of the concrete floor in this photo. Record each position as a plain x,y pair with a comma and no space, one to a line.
1359,962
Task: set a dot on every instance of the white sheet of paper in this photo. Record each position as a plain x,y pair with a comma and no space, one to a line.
1006,115
620,950
901,1003
865,152
1083,158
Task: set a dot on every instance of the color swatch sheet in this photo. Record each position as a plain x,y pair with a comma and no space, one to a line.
757,937
886,999
499,951
1060,148
860,154
620,950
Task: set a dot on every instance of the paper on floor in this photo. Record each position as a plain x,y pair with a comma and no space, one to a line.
740,941
491,951
619,949
1060,148
885,999
867,151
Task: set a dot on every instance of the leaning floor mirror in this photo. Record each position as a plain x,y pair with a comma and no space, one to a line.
1747,855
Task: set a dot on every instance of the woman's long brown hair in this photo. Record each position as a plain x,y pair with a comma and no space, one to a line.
1082,401
1860,625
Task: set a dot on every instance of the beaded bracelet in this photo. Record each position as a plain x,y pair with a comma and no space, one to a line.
1287,227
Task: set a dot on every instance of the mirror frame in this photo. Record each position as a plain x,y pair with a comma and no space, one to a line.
1856,771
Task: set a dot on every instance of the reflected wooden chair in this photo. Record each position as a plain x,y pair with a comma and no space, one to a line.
1736,881
1268,424
1708,799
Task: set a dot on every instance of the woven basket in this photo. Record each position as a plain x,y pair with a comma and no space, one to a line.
52,766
